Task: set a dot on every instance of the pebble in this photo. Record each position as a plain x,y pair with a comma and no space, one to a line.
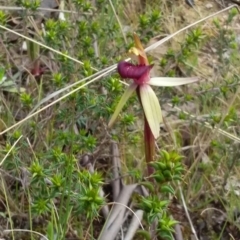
209,5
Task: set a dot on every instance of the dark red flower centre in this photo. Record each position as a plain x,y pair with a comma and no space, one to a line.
136,72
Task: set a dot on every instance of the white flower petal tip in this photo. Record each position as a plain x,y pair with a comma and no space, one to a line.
171,81
24,46
152,109
61,16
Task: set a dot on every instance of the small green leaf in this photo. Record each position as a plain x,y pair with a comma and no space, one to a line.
166,155
33,50
148,185
167,189
144,233
159,178
50,230
2,77
166,236
159,165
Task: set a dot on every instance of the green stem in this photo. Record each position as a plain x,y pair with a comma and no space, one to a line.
149,142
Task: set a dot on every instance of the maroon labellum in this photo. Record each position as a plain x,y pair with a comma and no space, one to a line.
36,72
129,70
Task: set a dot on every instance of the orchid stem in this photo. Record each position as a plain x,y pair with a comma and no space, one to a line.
149,141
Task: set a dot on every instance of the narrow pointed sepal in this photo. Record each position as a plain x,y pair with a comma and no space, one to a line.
152,109
138,50
171,81
137,42
127,94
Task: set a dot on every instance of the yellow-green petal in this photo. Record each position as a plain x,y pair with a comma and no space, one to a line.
127,94
152,109
171,81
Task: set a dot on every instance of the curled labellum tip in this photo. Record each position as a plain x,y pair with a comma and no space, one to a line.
129,70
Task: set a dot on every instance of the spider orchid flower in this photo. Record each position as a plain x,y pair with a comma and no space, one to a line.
140,73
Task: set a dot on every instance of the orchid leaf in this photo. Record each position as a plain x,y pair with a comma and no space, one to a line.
151,109
127,94
171,81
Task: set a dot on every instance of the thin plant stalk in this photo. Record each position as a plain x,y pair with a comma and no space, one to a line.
149,142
